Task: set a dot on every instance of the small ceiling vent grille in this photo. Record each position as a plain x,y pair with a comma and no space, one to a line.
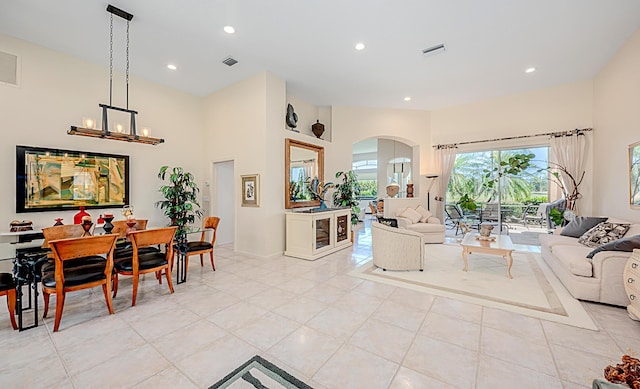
434,49
229,61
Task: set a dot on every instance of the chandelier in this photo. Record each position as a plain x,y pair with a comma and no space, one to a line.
118,132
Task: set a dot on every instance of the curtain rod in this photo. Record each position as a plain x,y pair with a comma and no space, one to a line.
552,134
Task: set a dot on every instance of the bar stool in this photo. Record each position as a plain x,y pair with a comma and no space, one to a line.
8,288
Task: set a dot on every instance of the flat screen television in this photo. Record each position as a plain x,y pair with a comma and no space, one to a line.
55,179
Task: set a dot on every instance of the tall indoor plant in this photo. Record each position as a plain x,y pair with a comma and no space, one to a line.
346,194
180,202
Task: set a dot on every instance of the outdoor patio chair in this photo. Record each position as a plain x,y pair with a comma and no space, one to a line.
535,214
456,218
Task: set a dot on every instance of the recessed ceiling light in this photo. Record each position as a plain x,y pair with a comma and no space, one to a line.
408,98
530,70
229,29
359,46
171,67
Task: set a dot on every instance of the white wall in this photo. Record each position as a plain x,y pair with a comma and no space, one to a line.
617,125
245,122
353,124
57,91
562,107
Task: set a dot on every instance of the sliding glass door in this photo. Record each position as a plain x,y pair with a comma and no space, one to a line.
500,197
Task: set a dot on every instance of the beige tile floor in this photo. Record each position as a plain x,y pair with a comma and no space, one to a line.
327,328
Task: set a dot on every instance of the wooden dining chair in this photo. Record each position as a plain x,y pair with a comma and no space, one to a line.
202,246
62,232
8,288
94,266
147,262
120,227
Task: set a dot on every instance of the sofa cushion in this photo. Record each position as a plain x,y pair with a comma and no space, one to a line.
426,228
581,224
399,211
411,214
424,213
551,240
574,259
604,232
624,244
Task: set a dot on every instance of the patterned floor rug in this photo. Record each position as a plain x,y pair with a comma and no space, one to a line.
259,373
534,290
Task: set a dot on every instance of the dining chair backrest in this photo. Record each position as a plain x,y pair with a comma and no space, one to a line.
156,236
211,222
61,232
120,227
66,249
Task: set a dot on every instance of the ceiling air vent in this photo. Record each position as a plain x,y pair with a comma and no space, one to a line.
229,61
434,49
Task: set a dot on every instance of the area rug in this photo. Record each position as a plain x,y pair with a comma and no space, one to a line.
534,290
257,372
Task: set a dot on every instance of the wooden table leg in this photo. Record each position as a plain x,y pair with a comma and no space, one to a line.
509,259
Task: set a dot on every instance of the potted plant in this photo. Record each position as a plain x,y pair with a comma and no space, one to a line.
346,195
467,203
180,202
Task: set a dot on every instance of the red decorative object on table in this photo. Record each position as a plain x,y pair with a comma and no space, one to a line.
77,218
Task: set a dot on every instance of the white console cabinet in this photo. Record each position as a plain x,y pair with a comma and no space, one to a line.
314,234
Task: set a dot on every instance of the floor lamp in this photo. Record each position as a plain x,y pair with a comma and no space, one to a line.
432,180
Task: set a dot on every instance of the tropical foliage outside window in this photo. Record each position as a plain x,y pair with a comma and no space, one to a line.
470,170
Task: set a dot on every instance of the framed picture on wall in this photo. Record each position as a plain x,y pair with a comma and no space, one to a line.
634,175
251,190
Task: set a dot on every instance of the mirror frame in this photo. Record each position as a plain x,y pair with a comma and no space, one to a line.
288,204
634,174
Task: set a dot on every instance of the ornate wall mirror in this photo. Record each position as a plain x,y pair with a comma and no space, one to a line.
303,162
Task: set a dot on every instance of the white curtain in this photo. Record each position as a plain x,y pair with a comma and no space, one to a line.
444,160
569,152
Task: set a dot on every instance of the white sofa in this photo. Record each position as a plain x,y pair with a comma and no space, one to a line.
598,279
432,229
397,249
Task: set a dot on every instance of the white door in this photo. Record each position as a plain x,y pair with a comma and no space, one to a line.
224,206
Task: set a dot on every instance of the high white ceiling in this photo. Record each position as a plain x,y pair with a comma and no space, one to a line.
310,44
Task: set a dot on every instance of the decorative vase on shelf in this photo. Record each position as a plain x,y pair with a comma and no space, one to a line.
58,222
77,218
108,227
318,129
409,190
86,225
323,205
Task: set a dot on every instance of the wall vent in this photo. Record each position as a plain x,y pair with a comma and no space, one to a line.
434,49
8,68
229,61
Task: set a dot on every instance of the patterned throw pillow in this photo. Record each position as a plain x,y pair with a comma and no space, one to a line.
388,222
603,233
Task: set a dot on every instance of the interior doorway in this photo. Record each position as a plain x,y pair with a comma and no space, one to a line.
224,206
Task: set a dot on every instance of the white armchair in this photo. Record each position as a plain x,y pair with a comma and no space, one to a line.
397,248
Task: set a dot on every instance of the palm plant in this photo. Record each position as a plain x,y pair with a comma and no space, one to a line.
180,202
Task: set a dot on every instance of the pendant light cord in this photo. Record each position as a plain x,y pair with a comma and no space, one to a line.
111,61
127,71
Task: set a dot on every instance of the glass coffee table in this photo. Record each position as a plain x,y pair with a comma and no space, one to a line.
501,246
